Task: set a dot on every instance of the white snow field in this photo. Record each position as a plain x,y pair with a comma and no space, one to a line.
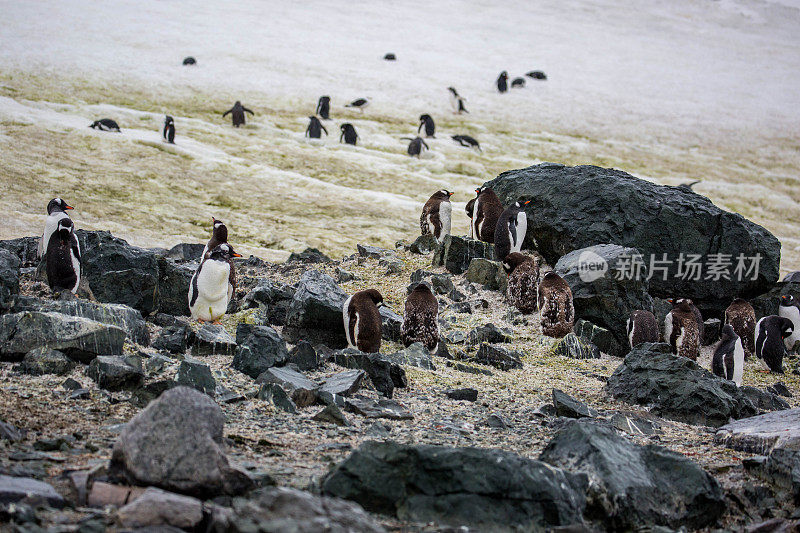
669,91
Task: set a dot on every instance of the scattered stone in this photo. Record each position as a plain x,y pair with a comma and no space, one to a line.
331,414
763,399
197,375
287,378
498,357
147,393
455,337
761,434
305,357
157,362
382,408
545,410
315,312
306,397
780,469
600,337
455,253
80,394
469,394
61,443
414,355
212,339
574,347
156,507
569,407
488,333
441,349
43,361
10,433
378,430
496,421
780,389
310,256
633,425
277,396
28,491
104,494
259,348
374,252
424,244
488,273
274,297
384,373
114,373
71,384
461,367
173,339
343,383
343,276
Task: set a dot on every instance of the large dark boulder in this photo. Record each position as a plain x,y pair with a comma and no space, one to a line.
43,361
173,286
315,312
258,348
576,207
25,248
677,388
385,373
9,279
486,489
456,253
632,486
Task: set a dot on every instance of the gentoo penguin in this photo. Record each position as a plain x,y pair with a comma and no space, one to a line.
189,60
555,304
467,142
789,308
518,83
219,235
348,133
315,128
642,327
436,215
390,57
523,282
470,210
105,124
324,107
698,316
237,114
416,146
502,82
359,103
63,257
430,127
420,320
510,230
457,101
487,211
362,320
56,211
681,330
771,334
728,361
168,134
213,284
537,75
742,318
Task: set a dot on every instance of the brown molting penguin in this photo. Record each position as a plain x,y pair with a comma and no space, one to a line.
642,327
681,330
523,282
698,316
362,320
420,318
555,304
487,211
436,215
742,318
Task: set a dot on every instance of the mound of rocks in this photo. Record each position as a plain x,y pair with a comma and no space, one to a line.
455,253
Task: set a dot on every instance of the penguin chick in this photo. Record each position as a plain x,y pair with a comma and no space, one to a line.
362,320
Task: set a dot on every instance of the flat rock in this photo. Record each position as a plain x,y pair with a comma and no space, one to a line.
414,355
331,414
114,373
761,434
385,373
43,361
310,256
287,378
574,347
498,357
259,348
197,375
185,252
382,408
569,407
277,396
155,507
488,333
343,383
272,296
456,253
468,394
29,491
212,339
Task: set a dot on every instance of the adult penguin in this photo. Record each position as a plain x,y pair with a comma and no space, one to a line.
348,134
502,82
416,146
324,107
213,284
420,319
315,128
219,235
362,320
426,121
168,133
467,142
105,124
63,258
56,211
457,101
523,282
771,333
487,211
237,114
436,215
789,308
510,230
728,360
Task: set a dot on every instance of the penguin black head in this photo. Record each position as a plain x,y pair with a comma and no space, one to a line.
376,296
512,261
223,252
65,228
419,287
728,333
443,194
787,328
424,118
57,204
168,120
787,300
453,90
504,74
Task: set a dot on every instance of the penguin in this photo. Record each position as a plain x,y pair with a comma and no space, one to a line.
219,235
502,82
189,61
324,107
789,308
430,127
701,326
518,83
742,318
416,146
168,134
56,211
642,327
362,320
509,233
213,284
237,114
728,360
349,134
771,334
63,257
681,330
390,57
555,305
467,141
470,210
688,186
537,75
487,211
523,282
420,319
359,103
436,215
457,101
315,128
105,124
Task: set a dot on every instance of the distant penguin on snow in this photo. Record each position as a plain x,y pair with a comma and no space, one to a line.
219,235
742,318
315,128
728,360
436,215
518,83
642,327
168,133
416,146
771,334
510,231
523,282
188,61
555,305
487,211
457,101
467,142
348,134
420,319
105,124
537,75
681,330
324,107
430,127
56,211
502,82
362,320
63,257
213,284
789,308
359,103
237,114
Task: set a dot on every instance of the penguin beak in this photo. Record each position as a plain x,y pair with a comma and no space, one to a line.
527,202
236,255
671,300
449,194
69,207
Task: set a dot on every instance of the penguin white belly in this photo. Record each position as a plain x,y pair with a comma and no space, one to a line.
474,225
346,318
522,228
667,327
454,102
793,314
50,226
445,216
679,342
212,291
738,362
631,330
76,266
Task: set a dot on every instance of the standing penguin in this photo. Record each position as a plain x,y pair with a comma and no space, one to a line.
324,107
523,282
237,114
642,327
315,128
420,320
470,210
555,304
510,231
56,211
487,211
789,308
416,146
168,133
502,82
728,360
348,133
742,318
213,284
105,124
430,127
63,258
436,215
362,320
771,333
681,330
457,101
219,235
698,316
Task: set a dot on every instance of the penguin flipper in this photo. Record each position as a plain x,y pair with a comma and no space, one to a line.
247,111
227,112
323,129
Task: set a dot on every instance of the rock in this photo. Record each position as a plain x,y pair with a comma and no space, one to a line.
769,302
632,486
10,433
605,300
424,244
305,357
212,339
391,323
780,389
114,373
468,394
147,393
343,383
414,355
173,285
175,444
287,378
24,248
763,433
780,469
9,279
488,273
382,408
310,256
80,339
711,331
156,507
633,425
495,421
174,339
185,252
585,205
677,388
43,361
569,407
488,333
28,491
575,348
597,336
275,297
343,276
434,484
277,396
331,414
455,253
385,373
197,375
157,363
374,252
259,348
315,312
764,400
498,357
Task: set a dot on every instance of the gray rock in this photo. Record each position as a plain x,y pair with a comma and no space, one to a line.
632,486
156,507
633,424
382,408
781,469
780,389
385,374
287,378
331,414
185,252
391,323
769,302
9,279
763,399
315,312
497,491
274,297
343,276
157,363
258,349
175,443
212,339
424,244
597,336
761,434
112,373
174,339
574,347
488,333
414,355
374,252
173,286
147,393
305,357
28,491
277,396
569,407
498,357
310,256
455,253
10,433
46,361
197,375
495,421
468,394
711,331
343,383
488,273
24,248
